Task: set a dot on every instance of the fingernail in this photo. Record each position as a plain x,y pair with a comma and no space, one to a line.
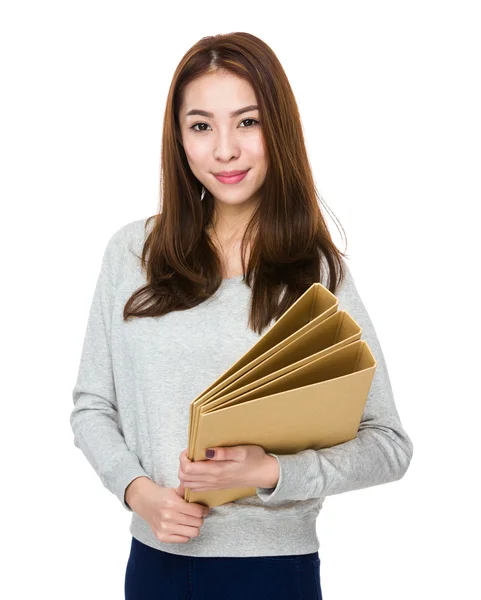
209,453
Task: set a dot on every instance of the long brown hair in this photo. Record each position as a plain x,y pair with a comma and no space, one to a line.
287,234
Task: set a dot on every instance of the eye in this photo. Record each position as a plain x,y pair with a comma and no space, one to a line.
195,125
254,121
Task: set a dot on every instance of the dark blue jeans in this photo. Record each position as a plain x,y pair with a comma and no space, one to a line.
152,574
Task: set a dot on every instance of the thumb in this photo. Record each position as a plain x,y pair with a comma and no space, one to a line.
225,453
180,490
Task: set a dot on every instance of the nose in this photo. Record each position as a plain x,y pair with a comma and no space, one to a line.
227,146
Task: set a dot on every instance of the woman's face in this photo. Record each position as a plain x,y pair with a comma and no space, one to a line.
219,141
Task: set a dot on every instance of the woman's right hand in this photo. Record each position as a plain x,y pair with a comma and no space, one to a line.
172,519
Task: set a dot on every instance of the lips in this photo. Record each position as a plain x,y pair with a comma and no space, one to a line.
239,176
229,173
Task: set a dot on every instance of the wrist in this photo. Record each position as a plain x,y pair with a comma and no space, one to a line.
135,488
269,473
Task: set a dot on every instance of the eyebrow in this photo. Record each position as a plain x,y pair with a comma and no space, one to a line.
235,113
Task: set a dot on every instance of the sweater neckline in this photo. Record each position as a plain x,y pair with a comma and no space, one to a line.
230,280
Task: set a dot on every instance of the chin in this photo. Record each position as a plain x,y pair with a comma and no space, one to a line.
233,201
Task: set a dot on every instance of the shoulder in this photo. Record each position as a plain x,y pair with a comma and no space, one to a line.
345,281
124,246
132,231
130,236
346,285
350,300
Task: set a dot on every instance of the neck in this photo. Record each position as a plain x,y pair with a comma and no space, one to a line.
229,222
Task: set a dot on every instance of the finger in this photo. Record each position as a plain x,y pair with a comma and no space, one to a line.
204,488
184,454
180,489
198,470
187,478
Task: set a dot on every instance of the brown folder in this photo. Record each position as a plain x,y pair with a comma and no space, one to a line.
304,384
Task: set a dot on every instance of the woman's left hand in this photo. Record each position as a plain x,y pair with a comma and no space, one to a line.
231,467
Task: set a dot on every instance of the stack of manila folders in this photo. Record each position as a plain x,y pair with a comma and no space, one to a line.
303,384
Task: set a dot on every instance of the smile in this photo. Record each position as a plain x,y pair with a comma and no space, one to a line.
233,179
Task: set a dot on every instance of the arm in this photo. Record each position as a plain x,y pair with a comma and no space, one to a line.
94,418
380,453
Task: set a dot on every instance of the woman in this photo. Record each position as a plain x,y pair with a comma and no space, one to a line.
183,295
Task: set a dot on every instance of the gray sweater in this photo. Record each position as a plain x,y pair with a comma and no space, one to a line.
137,379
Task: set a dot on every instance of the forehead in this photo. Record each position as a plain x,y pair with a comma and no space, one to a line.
219,93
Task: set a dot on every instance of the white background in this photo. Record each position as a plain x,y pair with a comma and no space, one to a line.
389,95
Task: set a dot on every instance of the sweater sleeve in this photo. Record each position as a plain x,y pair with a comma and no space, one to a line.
380,453
94,418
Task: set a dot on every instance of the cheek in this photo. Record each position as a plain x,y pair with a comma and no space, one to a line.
259,159
196,155
256,150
